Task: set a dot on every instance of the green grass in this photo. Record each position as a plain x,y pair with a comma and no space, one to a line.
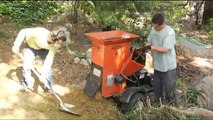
164,112
183,82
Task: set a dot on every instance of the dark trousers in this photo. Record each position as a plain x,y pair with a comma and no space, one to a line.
164,84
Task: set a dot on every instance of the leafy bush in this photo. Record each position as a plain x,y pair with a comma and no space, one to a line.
26,12
133,16
210,32
192,94
183,82
159,113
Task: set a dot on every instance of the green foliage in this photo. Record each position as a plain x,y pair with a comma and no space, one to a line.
182,83
159,113
211,22
210,32
174,15
26,12
133,16
192,94
192,118
135,113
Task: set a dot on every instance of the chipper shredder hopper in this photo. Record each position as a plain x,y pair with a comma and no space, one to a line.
114,69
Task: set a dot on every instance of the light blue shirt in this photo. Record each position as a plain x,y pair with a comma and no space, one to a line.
164,38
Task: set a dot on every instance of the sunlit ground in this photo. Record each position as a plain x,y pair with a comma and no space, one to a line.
15,104
38,105
203,62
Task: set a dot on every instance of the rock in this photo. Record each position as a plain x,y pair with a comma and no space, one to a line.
205,88
76,60
63,28
89,60
84,62
89,51
68,25
204,114
88,55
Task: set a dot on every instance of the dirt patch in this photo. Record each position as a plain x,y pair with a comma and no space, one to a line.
194,64
188,64
200,35
69,83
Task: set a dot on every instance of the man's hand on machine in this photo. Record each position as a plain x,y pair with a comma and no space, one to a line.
146,48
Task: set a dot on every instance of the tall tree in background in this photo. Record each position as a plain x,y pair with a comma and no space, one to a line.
207,13
74,14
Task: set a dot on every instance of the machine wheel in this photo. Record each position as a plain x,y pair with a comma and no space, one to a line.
134,102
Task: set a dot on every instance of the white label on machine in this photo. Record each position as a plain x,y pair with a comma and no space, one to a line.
141,76
110,79
97,72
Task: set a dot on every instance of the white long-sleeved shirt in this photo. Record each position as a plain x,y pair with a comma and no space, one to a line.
37,38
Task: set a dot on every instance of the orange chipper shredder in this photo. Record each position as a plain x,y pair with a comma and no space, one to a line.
111,56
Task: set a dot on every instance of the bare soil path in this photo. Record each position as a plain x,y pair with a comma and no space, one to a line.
194,58
69,83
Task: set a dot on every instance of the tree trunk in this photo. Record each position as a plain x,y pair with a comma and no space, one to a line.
197,13
207,13
74,13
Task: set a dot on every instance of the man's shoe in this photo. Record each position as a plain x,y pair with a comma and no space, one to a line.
25,88
46,90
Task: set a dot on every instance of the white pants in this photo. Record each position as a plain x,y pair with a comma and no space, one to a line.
29,55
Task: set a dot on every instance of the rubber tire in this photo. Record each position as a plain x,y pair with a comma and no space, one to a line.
125,107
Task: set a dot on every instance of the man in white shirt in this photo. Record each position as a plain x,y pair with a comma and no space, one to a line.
161,41
43,43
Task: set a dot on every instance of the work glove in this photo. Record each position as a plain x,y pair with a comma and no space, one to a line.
15,49
146,48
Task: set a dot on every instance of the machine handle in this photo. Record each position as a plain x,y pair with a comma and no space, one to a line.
111,38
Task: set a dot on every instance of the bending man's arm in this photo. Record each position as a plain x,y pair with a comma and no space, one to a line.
20,38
